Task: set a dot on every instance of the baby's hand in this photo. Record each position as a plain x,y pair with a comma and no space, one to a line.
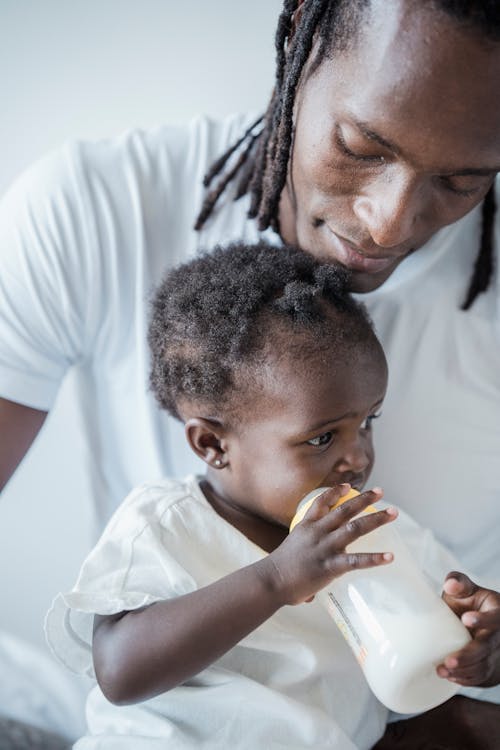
478,663
315,551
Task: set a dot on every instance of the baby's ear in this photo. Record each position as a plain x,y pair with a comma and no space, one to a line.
206,438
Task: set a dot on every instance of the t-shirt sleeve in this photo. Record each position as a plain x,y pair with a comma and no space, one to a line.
137,561
43,278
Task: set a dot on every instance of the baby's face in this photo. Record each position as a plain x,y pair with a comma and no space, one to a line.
307,426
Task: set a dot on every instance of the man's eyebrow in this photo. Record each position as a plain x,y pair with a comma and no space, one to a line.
372,135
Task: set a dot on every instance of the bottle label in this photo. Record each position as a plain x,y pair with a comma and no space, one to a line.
344,624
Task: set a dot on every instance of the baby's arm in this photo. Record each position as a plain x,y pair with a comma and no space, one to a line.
139,654
142,653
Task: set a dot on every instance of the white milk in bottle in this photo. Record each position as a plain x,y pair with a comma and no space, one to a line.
398,627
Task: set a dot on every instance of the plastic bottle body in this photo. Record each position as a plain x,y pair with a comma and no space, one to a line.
398,627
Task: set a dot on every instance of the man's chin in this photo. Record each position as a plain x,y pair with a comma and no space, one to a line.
360,280
361,283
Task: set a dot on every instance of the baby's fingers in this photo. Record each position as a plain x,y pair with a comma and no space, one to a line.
348,561
351,508
486,623
323,504
472,665
354,528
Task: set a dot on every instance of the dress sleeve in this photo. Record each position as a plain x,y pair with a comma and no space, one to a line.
43,278
137,561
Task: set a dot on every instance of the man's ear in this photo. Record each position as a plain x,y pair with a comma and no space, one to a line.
207,439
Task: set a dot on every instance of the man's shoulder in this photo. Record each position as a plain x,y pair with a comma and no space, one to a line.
146,147
148,152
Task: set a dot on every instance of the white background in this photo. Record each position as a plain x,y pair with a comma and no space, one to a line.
92,68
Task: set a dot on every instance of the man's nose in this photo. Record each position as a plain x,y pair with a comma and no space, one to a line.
391,210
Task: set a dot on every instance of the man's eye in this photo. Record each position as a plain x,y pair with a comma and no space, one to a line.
367,424
321,440
460,188
371,158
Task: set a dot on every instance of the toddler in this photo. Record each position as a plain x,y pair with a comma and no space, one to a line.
195,611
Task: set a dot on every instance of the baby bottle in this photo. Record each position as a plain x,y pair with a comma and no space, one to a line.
398,628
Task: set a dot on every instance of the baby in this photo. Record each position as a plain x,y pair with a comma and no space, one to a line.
180,611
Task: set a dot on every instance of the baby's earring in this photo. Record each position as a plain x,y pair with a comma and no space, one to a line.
219,463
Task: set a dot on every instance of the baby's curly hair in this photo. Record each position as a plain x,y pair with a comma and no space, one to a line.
216,319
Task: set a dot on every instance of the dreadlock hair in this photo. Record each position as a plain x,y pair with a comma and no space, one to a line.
215,321
261,167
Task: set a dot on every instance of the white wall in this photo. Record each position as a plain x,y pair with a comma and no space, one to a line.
91,68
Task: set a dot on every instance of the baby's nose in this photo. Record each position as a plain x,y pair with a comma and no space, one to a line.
355,460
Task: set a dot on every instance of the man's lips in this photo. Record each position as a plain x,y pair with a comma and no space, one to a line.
355,259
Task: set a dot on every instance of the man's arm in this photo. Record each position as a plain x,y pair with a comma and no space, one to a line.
19,425
459,724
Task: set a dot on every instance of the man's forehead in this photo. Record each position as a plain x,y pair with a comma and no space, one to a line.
420,73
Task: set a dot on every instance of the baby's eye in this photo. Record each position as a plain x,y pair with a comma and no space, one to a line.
321,440
367,424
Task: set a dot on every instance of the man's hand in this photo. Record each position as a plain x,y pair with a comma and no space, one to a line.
459,724
478,663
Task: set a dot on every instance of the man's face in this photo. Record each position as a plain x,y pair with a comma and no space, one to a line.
394,139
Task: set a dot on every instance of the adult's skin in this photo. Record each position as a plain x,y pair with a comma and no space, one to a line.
459,724
395,137
19,425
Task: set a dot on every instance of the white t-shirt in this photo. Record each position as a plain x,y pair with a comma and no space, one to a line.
438,441
88,232
292,683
